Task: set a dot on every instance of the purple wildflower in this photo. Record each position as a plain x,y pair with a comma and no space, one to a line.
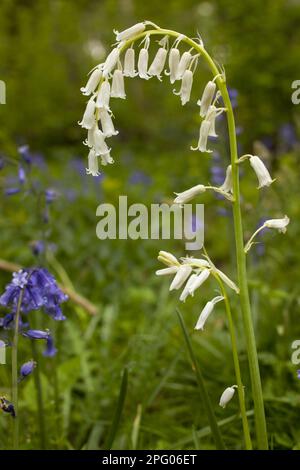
7,407
51,195
21,175
25,153
44,335
27,368
298,373
12,191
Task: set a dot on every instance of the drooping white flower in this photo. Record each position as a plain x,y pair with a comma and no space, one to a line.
88,119
103,96
184,63
181,276
93,168
263,175
167,271
186,291
174,59
130,32
92,82
189,194
278,224
199,280
206,312
227,281
227,185
99,143
167,258
203,136
143,64
207,97
186,87
158,63
117,87
227,395
129,63
211,116
106,159
107,124
111,62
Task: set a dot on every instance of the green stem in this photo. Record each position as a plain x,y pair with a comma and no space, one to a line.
39,395
237,368
14,373
260,421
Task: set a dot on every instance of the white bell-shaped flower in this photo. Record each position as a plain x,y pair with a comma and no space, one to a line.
167,271
167,258
93,168
111,62
129,63
203,136
207,98
189,194
206,312
278,224
199,280
158,63
181,276
117,87
186,291
174,59
130,32
186,87
100,145
227,395
227,185
103,96
107,124
143,64
92,82
184,63
88,120
263,175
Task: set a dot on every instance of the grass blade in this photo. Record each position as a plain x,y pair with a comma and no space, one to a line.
203,392
118,412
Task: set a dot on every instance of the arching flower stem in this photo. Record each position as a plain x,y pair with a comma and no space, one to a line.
261,432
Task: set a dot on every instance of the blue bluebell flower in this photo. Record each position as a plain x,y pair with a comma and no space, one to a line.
51,195
27,368
7,407
21,175
25,153
298,373
44,335
12,191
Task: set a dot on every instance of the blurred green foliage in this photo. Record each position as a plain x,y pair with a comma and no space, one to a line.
46,49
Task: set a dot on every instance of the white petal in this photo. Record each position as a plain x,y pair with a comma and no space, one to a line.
186,291
181,276
167,258
263,175
227,396
207,97
279,224
130,32
189,194
92,82
199,280
167,271
228,281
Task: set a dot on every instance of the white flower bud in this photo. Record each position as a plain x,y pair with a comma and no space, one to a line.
167,258
167,271
227,395
93,168
227,281
227,185
158,63
189,194
129,63
278,224
186,87
107,124
203,136
143,64
111,61
184,62
92,82
130,32
207,97
117,87
263,175
100,145
181,276
186,291
103,96
88,120
199,280
206,312
174,59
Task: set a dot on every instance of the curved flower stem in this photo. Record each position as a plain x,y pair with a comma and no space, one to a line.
260,421
236,363
14,373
